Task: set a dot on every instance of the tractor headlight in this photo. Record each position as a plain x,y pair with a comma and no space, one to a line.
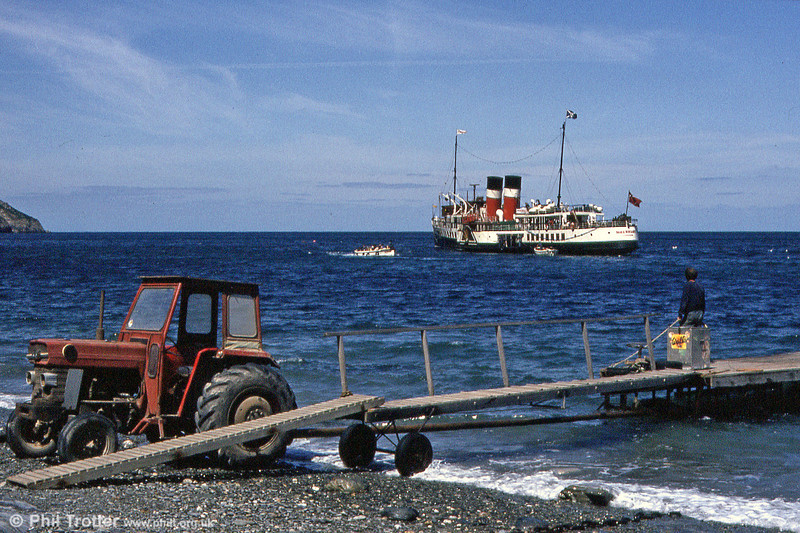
48,380
37,352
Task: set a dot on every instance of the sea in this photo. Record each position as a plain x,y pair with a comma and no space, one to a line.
737,472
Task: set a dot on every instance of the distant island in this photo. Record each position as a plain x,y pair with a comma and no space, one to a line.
13,221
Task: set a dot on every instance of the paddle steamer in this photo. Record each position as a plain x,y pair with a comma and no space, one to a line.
500,224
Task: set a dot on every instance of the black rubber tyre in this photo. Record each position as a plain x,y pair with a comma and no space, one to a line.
413,455
87,435
26,438
240,393
357,446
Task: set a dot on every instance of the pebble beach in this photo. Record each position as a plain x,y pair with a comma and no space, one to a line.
289,497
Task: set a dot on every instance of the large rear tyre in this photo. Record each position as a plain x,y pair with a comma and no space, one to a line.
357,446
30,438
241,393
87,435
413,455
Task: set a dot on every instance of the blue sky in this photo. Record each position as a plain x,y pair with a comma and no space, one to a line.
342,115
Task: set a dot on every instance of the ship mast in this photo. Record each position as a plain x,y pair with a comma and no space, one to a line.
455,164
455,159
570,114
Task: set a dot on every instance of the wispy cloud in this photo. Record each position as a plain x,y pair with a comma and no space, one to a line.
124,82
130,193
297,103
377,185
410,30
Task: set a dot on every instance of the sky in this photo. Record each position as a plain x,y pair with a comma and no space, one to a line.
342,116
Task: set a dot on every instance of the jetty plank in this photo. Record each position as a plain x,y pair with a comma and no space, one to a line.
520,394
737,372
162,452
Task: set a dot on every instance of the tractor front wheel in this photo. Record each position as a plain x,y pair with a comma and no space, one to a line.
30,438
241,393
87,435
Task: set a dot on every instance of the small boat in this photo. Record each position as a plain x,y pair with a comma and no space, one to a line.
376,250
541,250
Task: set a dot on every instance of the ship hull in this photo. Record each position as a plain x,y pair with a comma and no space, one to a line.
614,240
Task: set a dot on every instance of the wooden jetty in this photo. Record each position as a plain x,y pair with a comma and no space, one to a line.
376,418
670,386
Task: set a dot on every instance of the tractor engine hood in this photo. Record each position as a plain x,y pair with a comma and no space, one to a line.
86,353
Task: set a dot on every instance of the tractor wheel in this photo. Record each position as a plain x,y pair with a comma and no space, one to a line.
413,455
30,438
87,435
357,446
241,393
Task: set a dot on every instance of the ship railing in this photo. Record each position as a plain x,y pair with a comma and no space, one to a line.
530,224
617,223
498,328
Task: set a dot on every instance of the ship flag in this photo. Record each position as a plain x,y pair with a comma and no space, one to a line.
459,132
632,199
571,114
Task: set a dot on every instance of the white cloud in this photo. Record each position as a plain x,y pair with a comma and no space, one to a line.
410,30
297,103
144,92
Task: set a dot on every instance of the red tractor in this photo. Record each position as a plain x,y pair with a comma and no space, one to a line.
188,358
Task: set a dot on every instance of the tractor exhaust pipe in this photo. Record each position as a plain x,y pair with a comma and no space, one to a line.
100,333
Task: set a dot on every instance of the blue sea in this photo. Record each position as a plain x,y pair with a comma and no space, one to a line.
742,472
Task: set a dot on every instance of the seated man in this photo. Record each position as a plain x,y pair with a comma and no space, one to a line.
693,301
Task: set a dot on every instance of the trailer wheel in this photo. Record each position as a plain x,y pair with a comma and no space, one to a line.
87,435
241,393
30,438
413,455
357,446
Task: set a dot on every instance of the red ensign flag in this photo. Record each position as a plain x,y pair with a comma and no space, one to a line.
632,199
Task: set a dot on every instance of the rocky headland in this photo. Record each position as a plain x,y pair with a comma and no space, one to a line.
13,221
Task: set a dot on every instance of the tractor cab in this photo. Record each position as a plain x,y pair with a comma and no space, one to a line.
181,321
188,358
190,315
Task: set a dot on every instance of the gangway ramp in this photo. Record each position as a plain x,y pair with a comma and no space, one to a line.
521,394
206,441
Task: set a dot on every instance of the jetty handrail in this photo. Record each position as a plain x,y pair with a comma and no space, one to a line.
476,325
423,331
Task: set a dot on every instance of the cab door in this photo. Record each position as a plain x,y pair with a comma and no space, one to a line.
148,323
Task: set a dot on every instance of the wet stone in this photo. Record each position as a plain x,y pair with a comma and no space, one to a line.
587,495
402,514
346,485
530,524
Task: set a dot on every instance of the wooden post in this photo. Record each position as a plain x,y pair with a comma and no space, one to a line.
649,336
342,366
501,352
585,331
426,353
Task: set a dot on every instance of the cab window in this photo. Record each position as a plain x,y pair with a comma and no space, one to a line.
152,308
241,316
198,314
